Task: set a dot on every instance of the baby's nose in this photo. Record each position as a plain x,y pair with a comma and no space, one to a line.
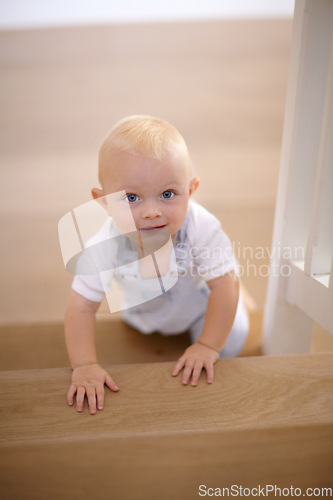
151,209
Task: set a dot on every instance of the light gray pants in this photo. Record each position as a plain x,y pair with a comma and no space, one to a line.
237,336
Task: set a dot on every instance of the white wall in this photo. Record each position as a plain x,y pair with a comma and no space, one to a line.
15,14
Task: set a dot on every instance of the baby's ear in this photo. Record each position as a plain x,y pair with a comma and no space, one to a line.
98,195
194,184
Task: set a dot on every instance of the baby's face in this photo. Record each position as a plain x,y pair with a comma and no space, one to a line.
156,191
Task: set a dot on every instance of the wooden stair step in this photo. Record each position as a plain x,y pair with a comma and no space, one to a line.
42,345
264,420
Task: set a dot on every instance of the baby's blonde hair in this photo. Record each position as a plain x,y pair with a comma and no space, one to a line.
143,135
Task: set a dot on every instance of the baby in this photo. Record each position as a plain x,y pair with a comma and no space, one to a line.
146,186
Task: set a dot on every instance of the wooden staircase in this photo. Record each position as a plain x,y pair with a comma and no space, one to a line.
264,420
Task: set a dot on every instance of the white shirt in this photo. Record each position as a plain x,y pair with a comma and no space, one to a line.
169,304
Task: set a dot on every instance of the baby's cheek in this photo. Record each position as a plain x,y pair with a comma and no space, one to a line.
122,213
125,222
179,216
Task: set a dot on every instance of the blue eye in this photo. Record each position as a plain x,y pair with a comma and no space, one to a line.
168,194
132,198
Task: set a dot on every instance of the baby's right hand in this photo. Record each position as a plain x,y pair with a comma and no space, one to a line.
89,380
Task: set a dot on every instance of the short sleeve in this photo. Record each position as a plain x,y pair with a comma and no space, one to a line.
211,249
90,287
98,256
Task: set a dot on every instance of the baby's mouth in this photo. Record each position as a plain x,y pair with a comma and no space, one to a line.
152,228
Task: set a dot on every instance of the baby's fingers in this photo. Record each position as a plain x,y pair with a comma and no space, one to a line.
187,371
80,398
91,396
71,393
111,383
210,372
100,397
178,366
196,372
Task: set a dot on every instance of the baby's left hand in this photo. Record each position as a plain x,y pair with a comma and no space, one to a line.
195,358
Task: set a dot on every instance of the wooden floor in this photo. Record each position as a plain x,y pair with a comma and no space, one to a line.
264,420
222,83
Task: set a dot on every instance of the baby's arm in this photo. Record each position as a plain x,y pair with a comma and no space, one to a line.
220,315
88,376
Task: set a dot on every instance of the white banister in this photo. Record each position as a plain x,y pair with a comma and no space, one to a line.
319,250
300,288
